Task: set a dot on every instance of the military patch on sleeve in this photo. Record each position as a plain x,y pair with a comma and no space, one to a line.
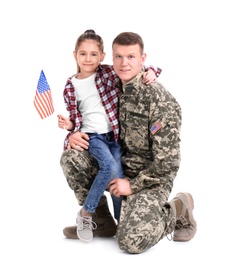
156,127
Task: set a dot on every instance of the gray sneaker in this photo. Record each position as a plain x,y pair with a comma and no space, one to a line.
85,227
186,226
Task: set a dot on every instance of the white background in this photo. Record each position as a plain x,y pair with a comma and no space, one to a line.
189,40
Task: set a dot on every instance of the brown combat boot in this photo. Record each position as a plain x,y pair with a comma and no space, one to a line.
186,226
106,225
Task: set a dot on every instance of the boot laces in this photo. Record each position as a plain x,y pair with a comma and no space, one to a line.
182,222
169,237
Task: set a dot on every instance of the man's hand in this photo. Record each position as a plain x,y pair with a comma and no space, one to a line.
120,187
78,141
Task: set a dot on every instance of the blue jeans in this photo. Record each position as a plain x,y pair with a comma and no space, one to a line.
108,155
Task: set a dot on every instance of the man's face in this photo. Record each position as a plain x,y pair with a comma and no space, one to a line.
127,61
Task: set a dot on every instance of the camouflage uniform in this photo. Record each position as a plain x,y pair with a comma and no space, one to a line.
150,120
80,169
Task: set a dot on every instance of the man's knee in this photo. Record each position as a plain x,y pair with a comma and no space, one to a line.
79,160
135,243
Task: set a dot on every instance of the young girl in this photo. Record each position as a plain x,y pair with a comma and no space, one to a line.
92,102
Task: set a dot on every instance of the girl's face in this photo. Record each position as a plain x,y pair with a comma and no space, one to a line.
88,57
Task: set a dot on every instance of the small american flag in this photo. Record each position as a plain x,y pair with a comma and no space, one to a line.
156,127
43,100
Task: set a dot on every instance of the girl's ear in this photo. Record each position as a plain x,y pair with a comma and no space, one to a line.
75,55
102,56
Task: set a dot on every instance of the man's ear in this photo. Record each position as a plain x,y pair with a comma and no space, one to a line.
143,58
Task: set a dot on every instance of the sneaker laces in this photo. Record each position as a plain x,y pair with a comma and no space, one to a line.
181,222
85,222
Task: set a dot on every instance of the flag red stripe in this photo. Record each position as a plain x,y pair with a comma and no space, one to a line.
43,104
46,103
49,101
40,107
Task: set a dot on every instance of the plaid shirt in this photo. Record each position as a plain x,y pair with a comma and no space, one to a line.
105,79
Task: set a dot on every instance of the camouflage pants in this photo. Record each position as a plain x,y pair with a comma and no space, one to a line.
80,169
146,217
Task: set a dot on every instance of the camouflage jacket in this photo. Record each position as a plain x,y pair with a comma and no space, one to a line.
150,121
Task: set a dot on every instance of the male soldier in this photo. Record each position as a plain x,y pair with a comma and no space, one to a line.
150,121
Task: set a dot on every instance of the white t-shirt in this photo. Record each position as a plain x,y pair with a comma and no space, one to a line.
94,117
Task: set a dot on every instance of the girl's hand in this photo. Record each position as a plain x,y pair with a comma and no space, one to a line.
149,77
64,122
